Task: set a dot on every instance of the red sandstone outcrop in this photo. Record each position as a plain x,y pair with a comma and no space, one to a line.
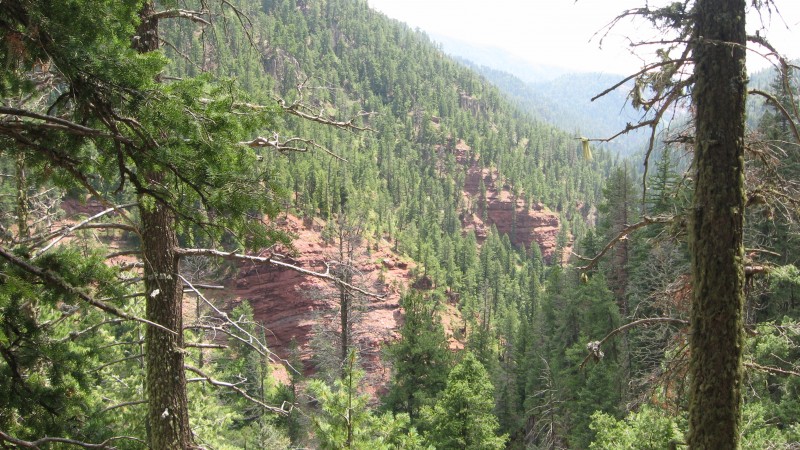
291,305
524,226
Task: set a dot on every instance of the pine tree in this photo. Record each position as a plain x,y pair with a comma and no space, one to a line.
420,359
462,417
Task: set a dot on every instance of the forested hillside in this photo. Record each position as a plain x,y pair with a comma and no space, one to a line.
566,102
417,230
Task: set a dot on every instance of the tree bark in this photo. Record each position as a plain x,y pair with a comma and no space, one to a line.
165,379
717,333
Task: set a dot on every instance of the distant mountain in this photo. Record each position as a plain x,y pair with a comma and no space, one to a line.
565,102
499,59
555,95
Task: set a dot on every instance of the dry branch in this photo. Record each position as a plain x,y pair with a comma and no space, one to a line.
86,224
772,370
619,237
270,261
37,444
596,345
194,16
233,387
781,108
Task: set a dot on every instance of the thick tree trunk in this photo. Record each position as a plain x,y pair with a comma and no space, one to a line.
717,335
165,379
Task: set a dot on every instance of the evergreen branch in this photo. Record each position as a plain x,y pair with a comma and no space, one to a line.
237,389
594,346
56,281
621,236
273,262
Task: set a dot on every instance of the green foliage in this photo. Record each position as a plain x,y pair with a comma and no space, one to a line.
52,355
345,421
463,416
407,180
420,359
648,429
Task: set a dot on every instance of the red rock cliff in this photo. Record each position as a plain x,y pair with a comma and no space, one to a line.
508,214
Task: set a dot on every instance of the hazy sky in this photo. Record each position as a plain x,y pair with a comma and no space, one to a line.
560,32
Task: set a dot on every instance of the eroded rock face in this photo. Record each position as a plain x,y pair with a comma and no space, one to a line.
524,225
289,303
292,306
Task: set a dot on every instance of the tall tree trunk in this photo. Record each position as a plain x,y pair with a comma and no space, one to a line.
345,259
165,379
22,211
717,335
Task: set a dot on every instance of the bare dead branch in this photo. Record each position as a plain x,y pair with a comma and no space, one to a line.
295,144
65,125
771,369
122,405
622,235
123,253
251,341
73,335
270,261
649,321
87,224
675,94
116,361
213,287
194,16
303,112
233,387
204,345
770,98
643,71
37,444
260,348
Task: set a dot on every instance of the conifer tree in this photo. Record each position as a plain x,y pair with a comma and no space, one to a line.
420,359
463,416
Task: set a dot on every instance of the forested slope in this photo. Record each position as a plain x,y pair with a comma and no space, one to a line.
341,155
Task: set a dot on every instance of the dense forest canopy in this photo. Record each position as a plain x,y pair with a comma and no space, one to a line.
151,150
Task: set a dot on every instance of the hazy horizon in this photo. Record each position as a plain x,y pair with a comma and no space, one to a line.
567,33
